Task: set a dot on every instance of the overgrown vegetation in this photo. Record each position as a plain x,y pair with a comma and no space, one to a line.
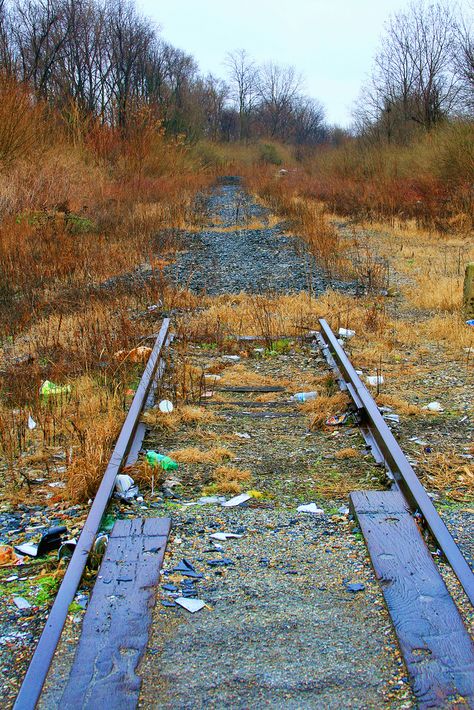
105,158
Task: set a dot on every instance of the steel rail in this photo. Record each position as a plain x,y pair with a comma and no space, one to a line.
396,461
40,663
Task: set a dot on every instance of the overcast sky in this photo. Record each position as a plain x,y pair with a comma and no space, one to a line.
331,42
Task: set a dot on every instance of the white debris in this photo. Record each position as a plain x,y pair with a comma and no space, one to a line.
231,358
191,605
236,500
434,407
57,484
375,380
346,333
343,510
123,483
207,500
242,435
310,508
392,418
31,422
166,406
224,536
212,378
21,603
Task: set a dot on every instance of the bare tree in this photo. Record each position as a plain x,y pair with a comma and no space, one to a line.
278,88
243,78
464,60
5,51
39,30
413,79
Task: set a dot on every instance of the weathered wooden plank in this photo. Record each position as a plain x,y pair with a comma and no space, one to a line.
438,651
116,624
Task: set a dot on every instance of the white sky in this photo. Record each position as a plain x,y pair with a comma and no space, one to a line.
331,42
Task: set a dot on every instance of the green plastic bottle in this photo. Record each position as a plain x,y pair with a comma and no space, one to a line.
166,463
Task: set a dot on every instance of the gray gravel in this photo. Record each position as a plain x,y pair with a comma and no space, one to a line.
280,628
244,259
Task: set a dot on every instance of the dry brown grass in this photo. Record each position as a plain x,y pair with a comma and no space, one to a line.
324,406
192,454
230,480
240,376
186,415
348,453
401,406
446,471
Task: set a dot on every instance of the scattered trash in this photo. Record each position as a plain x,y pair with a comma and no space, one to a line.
222,562
224,536
207,500
50,540
31,422
346,333
167,464
343,510
301,397
207,395
170,588
418,441
168,602
21,603
356,587
66,550
242,435
57,484
231,358
310,508
337,419
125,487
191,605
236,500
255,494
375,380
187,569
123,483
7,556
392,418
470,322
212,378
434,407
50,388
165,406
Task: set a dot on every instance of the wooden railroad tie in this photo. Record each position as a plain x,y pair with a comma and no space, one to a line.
436,646
117,621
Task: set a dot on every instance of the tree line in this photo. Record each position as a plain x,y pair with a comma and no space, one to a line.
422,75
106,59
103,58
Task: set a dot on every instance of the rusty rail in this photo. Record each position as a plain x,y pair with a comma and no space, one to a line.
388,450
40,663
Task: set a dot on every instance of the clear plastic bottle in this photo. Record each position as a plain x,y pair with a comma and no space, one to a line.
301,397
167,464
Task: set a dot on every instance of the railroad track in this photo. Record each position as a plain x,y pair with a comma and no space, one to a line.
439,659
